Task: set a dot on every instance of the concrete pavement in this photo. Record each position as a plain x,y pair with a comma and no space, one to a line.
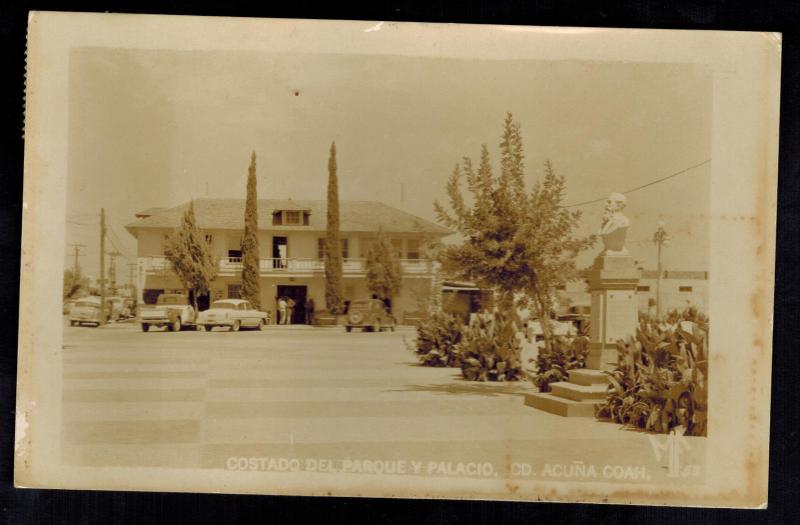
206,400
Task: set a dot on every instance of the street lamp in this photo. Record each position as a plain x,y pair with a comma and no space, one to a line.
660,238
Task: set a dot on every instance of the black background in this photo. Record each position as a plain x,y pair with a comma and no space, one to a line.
50,506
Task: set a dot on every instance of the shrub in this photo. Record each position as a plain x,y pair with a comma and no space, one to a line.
490,350
552,365
660,382
437,337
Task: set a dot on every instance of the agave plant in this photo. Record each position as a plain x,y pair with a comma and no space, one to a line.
553,365
437,338
490,350
660,381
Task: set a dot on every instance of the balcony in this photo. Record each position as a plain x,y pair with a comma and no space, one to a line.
292,266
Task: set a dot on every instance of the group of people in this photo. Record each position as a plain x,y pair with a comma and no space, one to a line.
286,307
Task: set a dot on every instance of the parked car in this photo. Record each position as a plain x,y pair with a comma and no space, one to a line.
369,315
86,311
68,306
233,313
534,331
170,310
579,316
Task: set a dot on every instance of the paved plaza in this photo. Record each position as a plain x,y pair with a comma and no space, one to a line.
193,399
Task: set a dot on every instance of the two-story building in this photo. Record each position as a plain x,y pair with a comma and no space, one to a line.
291,241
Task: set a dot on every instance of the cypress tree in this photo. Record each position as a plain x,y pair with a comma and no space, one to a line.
250,261
334,297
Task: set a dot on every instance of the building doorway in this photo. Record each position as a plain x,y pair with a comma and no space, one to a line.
203,301
298,294
280,252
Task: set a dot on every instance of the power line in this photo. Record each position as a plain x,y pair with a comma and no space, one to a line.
662,179
118,242
77,253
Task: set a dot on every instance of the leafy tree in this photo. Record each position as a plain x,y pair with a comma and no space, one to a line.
519,243
251,289
190,256
334,295
74,283
383,269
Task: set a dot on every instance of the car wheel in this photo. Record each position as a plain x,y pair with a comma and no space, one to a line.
145,327
348,328
236,325
261,324
72,323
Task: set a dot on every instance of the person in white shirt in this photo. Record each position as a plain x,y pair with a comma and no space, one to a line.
282,310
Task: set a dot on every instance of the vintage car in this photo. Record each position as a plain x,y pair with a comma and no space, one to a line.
233,313
86,311
68,305
170,310
369,315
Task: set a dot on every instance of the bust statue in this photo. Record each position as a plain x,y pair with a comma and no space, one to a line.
615,226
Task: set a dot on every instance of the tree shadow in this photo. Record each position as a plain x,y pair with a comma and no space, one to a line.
462,387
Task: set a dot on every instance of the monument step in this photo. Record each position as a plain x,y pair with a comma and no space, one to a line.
578,392
560,406
587,376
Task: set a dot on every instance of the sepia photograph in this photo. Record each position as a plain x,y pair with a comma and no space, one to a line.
291,264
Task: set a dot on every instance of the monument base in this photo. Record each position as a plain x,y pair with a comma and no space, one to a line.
602,356
612,283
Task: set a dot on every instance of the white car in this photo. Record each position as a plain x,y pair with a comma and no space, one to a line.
233,313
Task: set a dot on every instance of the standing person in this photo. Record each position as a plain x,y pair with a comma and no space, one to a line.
282,310
309,311
289,310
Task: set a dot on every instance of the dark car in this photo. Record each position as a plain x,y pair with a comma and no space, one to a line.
369,314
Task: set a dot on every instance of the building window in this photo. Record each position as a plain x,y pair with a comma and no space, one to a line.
292,217
277,218
397,248
364,246
234,291
684,288
306,218
412,248
321,248
642,288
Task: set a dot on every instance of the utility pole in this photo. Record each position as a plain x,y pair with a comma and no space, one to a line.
660,239
112,271
131,272
102,265
77,248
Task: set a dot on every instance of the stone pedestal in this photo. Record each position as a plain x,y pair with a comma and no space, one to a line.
612,284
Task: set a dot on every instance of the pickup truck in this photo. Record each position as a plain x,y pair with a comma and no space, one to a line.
170,310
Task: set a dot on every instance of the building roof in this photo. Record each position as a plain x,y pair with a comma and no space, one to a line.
148,212
228,214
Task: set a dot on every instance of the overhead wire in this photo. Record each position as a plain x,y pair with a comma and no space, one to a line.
637,188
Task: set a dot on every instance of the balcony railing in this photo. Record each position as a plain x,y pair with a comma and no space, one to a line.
294,265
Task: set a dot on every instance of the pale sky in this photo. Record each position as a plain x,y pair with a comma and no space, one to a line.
158,128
